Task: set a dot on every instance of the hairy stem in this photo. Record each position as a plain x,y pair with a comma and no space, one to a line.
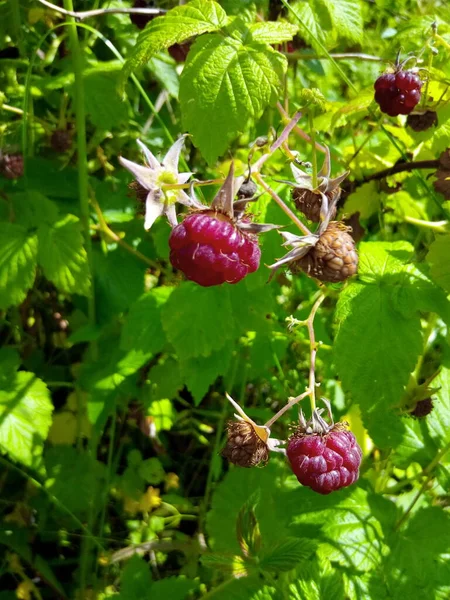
281,204
292,402
86,14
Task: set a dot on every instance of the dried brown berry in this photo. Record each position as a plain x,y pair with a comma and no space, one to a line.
244,447
422,121
61,140
179,52
309,202
333,258
422,408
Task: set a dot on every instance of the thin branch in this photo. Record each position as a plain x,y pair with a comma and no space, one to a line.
400,167
87,14
290,404
339,56
281,204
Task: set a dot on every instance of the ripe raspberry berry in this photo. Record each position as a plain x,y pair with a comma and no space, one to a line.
11,165
210,249
333,258
325,462
141,20
398,93
422,121
217,244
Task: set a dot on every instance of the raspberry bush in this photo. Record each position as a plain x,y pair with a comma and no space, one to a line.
224,300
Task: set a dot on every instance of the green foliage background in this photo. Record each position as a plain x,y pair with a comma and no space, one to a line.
114,369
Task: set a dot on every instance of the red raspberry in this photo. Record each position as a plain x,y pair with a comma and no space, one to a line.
397,93
209,249
325,463
11,165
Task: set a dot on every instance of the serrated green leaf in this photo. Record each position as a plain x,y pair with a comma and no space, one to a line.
346,16
25,416
103,105
32,208
311,19
18,257
366,200
136,580
318,580
418,554
70,470
63,257
175,588
224,84
351,533
119,281
438,259
286,555
377,345
198,320
143,328
272,32
176,26
200,372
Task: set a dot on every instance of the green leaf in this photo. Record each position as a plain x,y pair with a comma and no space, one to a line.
318,580
419,552
366,200
438,259
103,105
33,208
377,345
349,529
25,416
119,281
198,320
63,257
286,555
70,470
200,372
179,24
272,32
143,329
312,20
224,84
346,16
175,588
18,254
136,580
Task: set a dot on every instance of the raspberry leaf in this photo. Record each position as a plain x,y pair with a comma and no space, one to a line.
203,325
18,253
438,259
287,554
105,108
25,415
143,328
232,81
178,25
200,372
62,255
272,32
346,17
377,345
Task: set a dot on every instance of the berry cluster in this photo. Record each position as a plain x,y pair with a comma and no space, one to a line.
398,93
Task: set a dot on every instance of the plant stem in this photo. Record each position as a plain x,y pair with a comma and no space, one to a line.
300,132
294,56
101,11
312,133
439,226
281,204
80,117
313,351
292,402
105,229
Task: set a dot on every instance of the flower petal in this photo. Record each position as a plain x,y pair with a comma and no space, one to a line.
152,161
183,198
144,175
173,155
183,177
171,215
154,208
